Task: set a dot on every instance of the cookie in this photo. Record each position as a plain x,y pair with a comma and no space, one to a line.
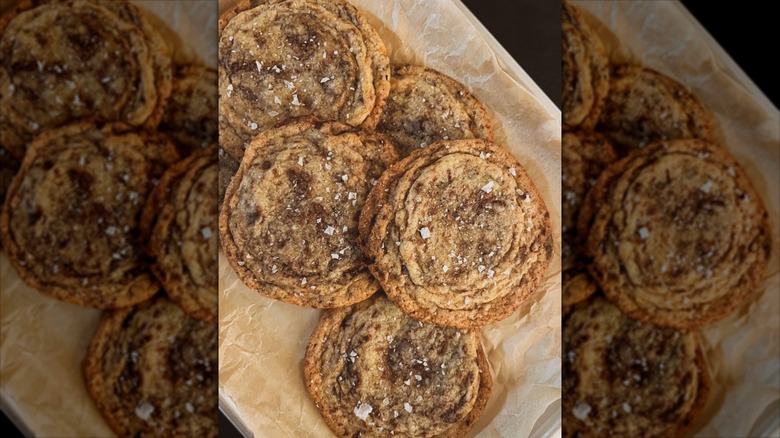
62,61
152,371
585,155
191,115
289,222
457,234
180,220
228,166
71,218
374,371
644,106
677,234
425,106
622,377
585,71
284,60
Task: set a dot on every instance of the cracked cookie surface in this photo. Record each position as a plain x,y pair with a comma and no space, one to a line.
677,234
585,71
629,378
585,155
180,220
71,220
425,106
191,115
374,371
289,222
152,370
284,60
644,106
62,61
457,233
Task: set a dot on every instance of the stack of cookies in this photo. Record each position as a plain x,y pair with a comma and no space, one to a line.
375,192
664,234
109,202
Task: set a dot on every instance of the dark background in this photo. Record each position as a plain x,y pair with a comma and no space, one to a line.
530,31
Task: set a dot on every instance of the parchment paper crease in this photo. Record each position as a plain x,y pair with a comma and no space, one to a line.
262,342
743,350
43,341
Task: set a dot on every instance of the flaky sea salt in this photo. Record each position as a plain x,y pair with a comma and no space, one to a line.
144,410
581,410
362,410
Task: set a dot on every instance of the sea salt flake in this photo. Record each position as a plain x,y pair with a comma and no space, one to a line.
644,233
205,232
253,126
706,187
334,256
487,188
512,171
445,268
407,407
144,410
627,407
325,79
330,230
345,177
581,410
362,410
425,232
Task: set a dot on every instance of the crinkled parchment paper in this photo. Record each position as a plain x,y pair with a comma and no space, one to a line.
743,350
262,341
43,341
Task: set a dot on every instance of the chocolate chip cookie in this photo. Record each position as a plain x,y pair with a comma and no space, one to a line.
289,222
284,60
677,234
585,71
70,223
457,233
627,378
425,106
152,371
180,220
62,61
374,371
